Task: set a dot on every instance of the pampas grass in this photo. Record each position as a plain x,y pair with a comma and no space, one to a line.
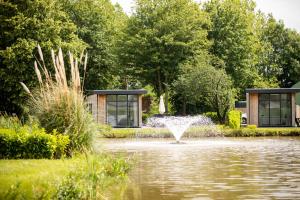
59,103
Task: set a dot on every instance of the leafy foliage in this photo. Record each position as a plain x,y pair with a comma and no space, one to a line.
24,24
91,179
235,41
161,34
31,143
59,103
99,25
200,80
234,119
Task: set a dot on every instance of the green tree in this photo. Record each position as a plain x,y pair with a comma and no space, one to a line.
160,35
234,39
283,58
99,24
200,81
24,24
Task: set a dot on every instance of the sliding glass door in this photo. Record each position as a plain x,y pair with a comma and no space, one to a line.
122,110
275,110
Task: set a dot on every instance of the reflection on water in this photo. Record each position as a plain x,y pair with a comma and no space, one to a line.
222,168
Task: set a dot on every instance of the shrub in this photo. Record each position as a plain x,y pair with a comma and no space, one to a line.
213,116
234,119
59,103
257,132
251,126
31,145
10,122
92,178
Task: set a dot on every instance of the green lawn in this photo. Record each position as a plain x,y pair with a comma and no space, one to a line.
86,176
199,131
32,178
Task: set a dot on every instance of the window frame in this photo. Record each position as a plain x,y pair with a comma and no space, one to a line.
127,109
288,101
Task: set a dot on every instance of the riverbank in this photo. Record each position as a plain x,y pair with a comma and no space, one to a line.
197,131
82,177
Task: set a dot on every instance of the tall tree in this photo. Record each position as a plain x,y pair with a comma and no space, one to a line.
283,58
99,24
234,39
24,24
160,35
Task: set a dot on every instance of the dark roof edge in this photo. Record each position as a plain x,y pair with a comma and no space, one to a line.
272,90
141,91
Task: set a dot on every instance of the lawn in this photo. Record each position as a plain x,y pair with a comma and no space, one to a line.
32,178
90,176
198,131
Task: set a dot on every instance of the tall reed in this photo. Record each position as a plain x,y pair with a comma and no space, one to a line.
59,103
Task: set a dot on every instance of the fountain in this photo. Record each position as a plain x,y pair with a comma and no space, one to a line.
178,125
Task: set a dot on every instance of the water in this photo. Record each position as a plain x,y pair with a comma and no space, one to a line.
213,168
178,125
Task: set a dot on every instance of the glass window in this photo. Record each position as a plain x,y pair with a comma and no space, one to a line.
112,113
122,110
133,113
122,97
264,113
122,114
111,98
132,98
264,97
275,110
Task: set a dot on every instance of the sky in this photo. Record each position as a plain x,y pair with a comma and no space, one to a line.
286,10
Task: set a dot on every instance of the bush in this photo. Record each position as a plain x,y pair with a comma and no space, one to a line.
31,145
251,126
94,177
213,116
10,122
59,103
234,119
257,132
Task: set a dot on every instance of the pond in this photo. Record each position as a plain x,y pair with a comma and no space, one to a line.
213,168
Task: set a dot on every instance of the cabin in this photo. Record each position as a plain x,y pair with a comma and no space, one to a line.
119,108
272,107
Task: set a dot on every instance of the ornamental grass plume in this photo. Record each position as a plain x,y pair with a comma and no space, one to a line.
58,103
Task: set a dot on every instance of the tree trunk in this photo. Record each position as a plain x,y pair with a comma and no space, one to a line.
159,82
166,94
166,99
184,107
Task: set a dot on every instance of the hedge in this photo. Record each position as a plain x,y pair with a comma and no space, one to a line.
31,143
198,131
258,132
234,119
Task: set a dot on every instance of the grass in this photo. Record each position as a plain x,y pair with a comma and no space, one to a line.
258,132
32,178
87,176
198,131
58,103
195,131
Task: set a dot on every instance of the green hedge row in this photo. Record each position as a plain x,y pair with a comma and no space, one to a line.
31,143
258,132
197,131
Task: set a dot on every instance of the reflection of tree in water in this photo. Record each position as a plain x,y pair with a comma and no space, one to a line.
226,169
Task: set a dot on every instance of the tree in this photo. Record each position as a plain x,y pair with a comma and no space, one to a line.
99,24
24,24
283,58
200,81
160,35
234,39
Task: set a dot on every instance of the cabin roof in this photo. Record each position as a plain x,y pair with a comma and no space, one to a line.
273,90
114,92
